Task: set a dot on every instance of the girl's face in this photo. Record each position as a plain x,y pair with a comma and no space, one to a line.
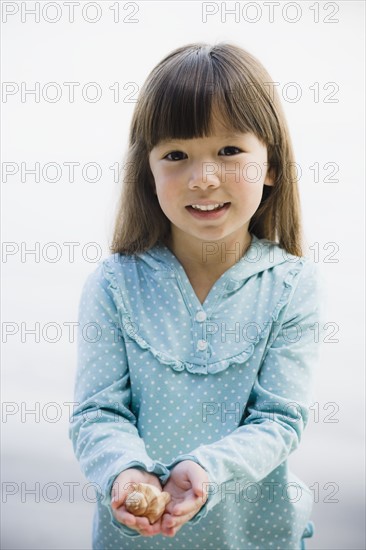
227,169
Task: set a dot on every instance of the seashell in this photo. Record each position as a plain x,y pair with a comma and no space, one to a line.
147,500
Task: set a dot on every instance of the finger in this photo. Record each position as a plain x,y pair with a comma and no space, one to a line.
150,530
124,517
170,507
178,521
172,522
195,477
171,532
129,519
147,528
116,502
169,529
187,506
168,521
142,523
118,497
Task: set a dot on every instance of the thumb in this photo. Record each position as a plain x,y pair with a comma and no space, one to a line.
114,503
119,493
198,483
117,499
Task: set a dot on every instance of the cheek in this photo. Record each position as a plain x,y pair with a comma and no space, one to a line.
168,186
165,191
248,174
254,173
248,191
167,195
250,188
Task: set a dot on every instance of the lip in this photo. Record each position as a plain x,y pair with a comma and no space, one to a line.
205,203
209,214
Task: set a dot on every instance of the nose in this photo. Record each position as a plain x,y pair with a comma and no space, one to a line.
204,174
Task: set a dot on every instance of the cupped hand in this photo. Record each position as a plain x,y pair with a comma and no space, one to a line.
119,493
187,486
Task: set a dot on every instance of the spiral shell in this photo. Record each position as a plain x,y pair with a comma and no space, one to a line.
147,500
136,503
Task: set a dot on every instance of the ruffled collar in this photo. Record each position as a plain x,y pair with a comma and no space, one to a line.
261,255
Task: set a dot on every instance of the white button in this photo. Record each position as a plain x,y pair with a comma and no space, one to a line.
201,345
201,316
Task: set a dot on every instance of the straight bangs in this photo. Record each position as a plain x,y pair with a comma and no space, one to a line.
178,99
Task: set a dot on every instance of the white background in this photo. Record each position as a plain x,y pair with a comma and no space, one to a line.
37,290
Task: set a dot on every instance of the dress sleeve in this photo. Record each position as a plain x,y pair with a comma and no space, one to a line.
102,427
277,410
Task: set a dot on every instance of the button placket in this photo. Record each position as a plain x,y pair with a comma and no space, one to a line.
201,316
201,343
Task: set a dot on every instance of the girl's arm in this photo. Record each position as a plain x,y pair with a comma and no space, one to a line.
278,407
103,428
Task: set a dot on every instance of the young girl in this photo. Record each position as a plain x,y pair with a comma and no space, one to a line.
195,350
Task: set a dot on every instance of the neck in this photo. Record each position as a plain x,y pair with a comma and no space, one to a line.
214,257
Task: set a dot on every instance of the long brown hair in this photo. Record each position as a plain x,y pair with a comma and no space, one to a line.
176,101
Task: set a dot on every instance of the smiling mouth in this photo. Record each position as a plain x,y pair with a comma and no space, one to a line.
208,207
209,211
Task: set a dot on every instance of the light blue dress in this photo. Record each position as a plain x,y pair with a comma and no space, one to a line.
228,383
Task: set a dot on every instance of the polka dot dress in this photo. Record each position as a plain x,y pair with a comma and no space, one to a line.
228,384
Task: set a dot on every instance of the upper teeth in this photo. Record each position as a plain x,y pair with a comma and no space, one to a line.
207,206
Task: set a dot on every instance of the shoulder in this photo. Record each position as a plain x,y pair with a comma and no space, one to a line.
265,255
100,278
112,264
300,276
306,300
120,275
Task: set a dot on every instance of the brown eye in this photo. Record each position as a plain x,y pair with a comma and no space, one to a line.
230,148
174,154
